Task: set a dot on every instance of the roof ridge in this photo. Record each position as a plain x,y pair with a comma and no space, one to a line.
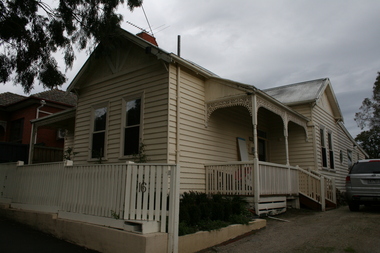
293,84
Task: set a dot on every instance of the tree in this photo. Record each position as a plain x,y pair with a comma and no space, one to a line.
369,116
370,141
31,32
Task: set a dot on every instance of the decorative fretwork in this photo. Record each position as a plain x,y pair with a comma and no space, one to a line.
271,107
245,101
299,122
286,117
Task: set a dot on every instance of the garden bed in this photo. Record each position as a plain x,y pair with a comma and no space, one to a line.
206,239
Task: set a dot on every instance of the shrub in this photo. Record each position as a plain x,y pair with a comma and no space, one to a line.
201,212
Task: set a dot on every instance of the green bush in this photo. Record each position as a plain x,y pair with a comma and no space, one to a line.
200,212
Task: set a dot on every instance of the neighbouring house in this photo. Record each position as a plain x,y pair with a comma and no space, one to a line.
16,112
139,98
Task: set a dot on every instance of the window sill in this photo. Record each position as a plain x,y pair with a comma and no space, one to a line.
329,170
96,160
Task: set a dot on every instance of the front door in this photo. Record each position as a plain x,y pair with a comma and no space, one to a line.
262,150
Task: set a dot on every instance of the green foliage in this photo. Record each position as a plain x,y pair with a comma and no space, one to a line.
370,141
141,157
69,154
198,212
32,31
115,215
369,116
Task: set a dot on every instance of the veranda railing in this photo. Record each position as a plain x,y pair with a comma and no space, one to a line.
239,178
317,187
258,178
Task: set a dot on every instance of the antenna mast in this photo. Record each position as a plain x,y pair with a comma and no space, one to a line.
146,17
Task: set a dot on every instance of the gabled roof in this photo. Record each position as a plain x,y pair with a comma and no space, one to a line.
155,50
306,93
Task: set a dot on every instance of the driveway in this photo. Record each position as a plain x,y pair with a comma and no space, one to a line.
337,230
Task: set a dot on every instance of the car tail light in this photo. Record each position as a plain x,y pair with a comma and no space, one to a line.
348,179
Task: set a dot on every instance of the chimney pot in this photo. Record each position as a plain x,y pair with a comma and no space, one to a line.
147,37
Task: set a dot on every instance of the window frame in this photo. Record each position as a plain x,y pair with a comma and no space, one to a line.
349,158
330,146
123,126
323,147
92,131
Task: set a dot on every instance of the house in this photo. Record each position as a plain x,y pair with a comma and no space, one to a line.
197,131
140,98
16,112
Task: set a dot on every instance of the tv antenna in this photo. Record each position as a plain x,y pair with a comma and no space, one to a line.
146,17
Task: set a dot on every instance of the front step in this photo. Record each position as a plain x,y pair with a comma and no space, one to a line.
141,227
271,205
310,203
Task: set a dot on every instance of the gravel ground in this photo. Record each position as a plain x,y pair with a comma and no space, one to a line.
337,230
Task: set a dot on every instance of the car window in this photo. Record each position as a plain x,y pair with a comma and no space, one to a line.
366,167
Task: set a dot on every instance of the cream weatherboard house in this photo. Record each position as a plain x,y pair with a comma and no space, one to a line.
195,131
217,130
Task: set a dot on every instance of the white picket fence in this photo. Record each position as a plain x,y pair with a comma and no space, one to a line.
131,192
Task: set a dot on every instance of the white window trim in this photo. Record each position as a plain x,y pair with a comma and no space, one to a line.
93,108
322,136
329,132
124,101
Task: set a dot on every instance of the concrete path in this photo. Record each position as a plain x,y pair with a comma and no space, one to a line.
334,231
18,238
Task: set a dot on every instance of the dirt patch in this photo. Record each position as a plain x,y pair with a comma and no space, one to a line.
337,230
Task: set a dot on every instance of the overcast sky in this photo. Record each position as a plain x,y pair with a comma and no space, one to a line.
269,43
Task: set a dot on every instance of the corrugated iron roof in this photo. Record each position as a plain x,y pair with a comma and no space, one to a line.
308,91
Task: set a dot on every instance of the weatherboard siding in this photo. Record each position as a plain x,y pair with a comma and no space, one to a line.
148,80
200,144
323,118
301,148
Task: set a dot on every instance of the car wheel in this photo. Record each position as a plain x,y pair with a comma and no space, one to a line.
354,207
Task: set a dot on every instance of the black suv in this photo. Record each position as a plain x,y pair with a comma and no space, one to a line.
363,184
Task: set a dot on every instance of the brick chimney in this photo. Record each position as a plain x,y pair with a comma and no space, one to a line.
147,37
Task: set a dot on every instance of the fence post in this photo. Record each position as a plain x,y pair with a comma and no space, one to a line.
256,184
289,181
333,190
174,210
323,196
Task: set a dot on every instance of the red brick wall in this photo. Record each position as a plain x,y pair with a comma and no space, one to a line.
44,135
